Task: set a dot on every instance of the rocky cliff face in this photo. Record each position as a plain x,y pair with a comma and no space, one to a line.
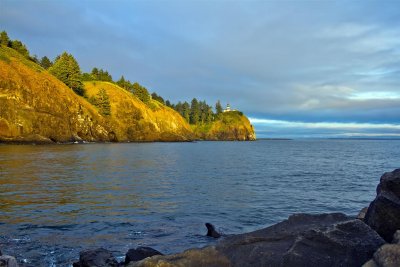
132,120
35,106
232,125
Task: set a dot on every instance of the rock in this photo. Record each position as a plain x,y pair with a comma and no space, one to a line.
362,213
302,240
8,261
211,231
96,258
383,213
370,263
396,237
388,255
140,253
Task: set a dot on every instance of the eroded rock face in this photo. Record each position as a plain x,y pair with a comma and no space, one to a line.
302,240
140,253
383,214
96,258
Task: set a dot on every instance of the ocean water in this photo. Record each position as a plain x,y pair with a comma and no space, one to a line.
58,200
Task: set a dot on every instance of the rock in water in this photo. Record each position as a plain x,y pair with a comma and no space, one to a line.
383,214
211,231
140,253
302,240
96,258
8,261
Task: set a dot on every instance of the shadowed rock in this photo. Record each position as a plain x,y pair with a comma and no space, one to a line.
96,258
302,240
211,231
8,261
383,214
140,253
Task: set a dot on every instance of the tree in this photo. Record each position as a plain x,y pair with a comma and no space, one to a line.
45,62
20,47
103,102
186,111
168,103
218,108
67,70
141,92
158,98
4,40
194,111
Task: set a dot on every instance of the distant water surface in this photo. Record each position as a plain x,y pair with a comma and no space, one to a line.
58,200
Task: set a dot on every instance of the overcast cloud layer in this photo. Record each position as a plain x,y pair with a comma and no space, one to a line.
294,67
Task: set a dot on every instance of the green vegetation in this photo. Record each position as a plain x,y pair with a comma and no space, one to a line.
45,63
196,113
102,102
67,70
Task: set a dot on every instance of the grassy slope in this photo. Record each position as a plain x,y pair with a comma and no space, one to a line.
134,120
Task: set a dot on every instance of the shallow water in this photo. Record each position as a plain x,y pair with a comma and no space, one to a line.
58,200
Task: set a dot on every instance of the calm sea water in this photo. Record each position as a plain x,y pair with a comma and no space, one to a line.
58,200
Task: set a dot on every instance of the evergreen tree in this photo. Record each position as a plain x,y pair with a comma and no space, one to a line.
158,98
186,111
20,47
67,70
218,108
141,92
103,102
45,62
168,104
194,111
4,40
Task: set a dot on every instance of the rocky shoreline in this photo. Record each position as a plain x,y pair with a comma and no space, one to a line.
370,240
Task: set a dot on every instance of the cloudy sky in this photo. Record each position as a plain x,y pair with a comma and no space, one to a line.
296,68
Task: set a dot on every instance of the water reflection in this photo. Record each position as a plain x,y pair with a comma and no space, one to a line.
57,200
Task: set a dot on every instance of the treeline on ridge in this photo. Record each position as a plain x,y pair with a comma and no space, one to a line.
66,68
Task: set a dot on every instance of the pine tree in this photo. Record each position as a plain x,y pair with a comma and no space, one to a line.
186,111
20,47
141,92
45,62
67,70
4,40
218,108
194,112
103,102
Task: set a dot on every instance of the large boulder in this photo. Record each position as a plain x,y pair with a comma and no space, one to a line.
140,253
302,240
383,213
96,258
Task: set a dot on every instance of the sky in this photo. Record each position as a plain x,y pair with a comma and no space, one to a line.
295,68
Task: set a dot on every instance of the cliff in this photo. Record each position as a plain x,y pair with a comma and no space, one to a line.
37,107
133,120
231,125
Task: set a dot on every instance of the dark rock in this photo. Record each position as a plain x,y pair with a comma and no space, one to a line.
388,256
383,214
302,240
396,237
8,261
96,258
211,231
140,253
362,213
